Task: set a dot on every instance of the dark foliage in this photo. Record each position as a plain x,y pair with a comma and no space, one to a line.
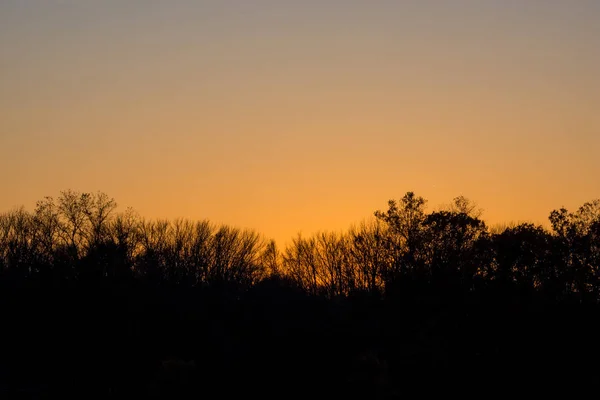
97,303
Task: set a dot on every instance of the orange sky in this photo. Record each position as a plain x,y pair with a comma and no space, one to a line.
288,116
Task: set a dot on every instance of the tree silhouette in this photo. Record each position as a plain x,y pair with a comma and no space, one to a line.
101,301
576,249
404,220
452,238
369,255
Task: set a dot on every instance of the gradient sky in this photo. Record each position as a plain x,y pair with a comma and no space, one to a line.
288,116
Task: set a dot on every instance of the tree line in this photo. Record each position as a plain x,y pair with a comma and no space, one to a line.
81,236
105,302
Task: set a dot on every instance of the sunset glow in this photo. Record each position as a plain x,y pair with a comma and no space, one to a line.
299,116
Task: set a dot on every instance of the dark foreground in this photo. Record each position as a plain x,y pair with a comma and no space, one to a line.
97,304
273,340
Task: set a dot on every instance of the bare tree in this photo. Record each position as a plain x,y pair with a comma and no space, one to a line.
369,255
320,264
271,259
124,231
235,256
462,205
200,251
331,258
17,246
48,226
73,208
152,259
98,209
300,264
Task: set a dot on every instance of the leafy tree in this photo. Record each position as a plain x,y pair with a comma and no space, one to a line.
576,249
451,239
404,220
522,257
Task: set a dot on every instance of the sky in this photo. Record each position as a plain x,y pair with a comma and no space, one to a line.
297,116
